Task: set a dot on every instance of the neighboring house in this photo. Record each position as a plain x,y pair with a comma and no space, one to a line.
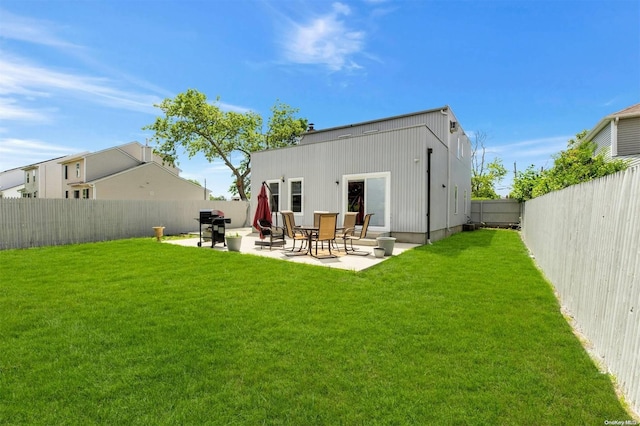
619,135
126,172
380,167
44,179
11,183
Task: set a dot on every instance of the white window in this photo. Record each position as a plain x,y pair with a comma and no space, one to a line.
455,200
85,193
296,195
465,201
274,195
368,193
77,169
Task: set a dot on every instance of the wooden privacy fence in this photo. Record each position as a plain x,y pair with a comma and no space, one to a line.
586,239
29,222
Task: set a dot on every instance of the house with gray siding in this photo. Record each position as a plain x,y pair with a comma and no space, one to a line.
618,134
126,172
412,171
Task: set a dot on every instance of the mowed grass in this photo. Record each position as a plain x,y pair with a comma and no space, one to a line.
464,331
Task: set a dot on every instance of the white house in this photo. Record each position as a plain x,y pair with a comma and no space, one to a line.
412,171
619,135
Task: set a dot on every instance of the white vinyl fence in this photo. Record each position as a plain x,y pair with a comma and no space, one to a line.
29,222
586,239
502,212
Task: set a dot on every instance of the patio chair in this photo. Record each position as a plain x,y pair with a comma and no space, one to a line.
349,222
326,232
316,222
291,232
349,235
275,234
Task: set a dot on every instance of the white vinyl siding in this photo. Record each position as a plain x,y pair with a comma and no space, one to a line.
629,137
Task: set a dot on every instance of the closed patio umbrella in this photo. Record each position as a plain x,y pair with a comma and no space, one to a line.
263,212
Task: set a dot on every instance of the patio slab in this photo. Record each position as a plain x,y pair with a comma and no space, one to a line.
341,261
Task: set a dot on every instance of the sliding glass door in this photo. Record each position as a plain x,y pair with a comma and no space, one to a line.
368,193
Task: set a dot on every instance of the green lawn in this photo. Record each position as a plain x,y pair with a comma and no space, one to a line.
465,331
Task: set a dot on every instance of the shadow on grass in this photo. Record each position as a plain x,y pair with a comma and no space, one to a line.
462,242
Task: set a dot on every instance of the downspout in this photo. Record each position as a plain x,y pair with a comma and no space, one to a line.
429,152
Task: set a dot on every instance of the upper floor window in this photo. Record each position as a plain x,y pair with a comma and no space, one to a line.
27,177
66,172
77,169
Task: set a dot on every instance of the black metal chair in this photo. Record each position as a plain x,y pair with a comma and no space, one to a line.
275,234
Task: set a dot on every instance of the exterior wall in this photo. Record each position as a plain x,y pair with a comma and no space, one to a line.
152,182
72,176
144,154
619,138
401,152
603,140
45,179
436,120
31,180
50,180
460,175
13,192
585,238
629,140
11,181
106,163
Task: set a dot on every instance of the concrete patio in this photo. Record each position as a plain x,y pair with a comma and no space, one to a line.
341,261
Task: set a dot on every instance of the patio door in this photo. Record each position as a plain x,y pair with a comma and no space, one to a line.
368,193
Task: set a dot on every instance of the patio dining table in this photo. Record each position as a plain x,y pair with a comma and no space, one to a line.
309,230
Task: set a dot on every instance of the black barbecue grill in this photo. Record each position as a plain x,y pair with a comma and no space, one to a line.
215,224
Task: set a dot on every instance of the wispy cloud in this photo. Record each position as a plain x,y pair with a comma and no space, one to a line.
534,148
10,110
28,151
325,40
22,82
31,30
23,79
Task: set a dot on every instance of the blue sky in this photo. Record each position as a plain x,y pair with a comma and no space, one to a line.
84,75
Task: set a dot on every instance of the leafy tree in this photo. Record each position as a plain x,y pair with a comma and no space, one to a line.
198,126
484,176
578,163
524,183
